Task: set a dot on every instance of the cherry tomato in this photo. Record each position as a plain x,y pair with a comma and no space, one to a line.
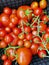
1,25
27,44
43,4
24,56
4,57
38,11
34,33
7,62
34,48
47,45
8,29
34,5
14,11
42,53
47,29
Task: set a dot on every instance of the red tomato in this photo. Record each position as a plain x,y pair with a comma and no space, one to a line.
24,56
34,5
11,25
34,33
4,57
3,44
47,29
7,10
8,29
7,62
1,25
14,19
14,11
34,48
4,19
47,45
42,53
38,11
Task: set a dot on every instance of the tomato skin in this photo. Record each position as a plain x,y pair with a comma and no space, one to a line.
4,19
47,29
14,11
34,48
38,11
3,44
8,29
43,4
34,5
11,25
7,62
4,57
24,56
42,53
7,10
34,33
47,45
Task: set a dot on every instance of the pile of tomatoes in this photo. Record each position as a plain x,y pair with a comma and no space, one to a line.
24,33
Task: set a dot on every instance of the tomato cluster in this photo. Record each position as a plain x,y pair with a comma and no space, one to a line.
24,33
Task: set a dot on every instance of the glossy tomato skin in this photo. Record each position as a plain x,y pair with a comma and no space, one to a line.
24,56
34,33
4,19
34,5
8,29
11,25
42,53
7,62
38,11
34,48
7,10
47,29
14,11
47,45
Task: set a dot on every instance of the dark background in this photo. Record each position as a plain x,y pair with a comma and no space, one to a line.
15,4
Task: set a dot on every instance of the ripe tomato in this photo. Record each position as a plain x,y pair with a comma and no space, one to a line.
8,29
47,29
42,53
42,27
14,19
43,4
3,44
4,57
20,43
14,11
34,33
7,10
34,48
10,53
4,19
16,31
8,38
7,62
1,25
34,5
47,45
38,11
27,44
24,56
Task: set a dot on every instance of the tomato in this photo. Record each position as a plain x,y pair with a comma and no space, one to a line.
16,31
4,57
4,19
14,19
7,62
34,33
27,29
8,38
42,27
47,29
43,4
24,56
34,48
14,11
10,53
47,45
38,11
37,40
3,44
42,53
8,29
27,44
20,43
29,36
1,25
41,46
44,18
34,5
11,25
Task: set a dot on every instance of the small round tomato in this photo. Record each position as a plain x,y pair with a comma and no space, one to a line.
24,56
7,10
7,62
16,31
27,44
34,5
42,53
43,4
20,43
47,45
1,25
34,33
14,11
4,19
34,48
3,44
47,29
14,19
8,29
38,11
29,36
4,57
11,25
8,38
